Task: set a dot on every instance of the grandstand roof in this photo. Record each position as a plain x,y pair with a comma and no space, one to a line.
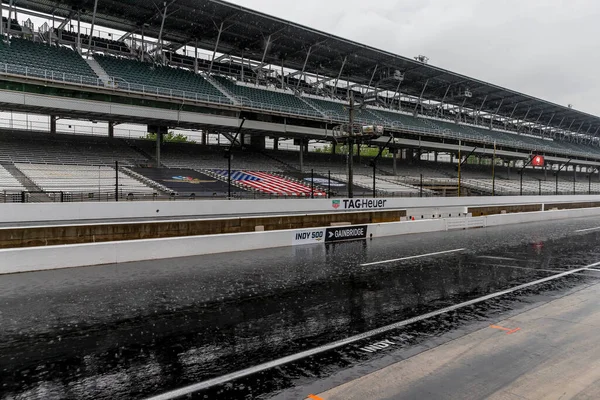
247,31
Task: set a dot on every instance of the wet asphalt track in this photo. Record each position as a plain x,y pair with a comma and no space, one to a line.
141,329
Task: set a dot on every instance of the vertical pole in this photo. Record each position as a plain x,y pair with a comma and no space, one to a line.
92,28
556,189
196,56
374,171
540,187
312,183
329,183
229,175
459,159
158,142
160,39
590,183
79,32
142,47
212,59
351,148
301,155
116,180
2,33
521,184
421,187
494,171
574,185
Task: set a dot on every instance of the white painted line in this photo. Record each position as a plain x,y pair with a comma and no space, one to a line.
588,229
412,257
554,271
500,258
298,356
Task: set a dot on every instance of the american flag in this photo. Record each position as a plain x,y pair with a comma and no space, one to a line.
269,183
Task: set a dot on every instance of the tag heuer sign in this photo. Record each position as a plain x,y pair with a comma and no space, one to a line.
335,204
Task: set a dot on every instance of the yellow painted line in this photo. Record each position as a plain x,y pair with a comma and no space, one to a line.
507,330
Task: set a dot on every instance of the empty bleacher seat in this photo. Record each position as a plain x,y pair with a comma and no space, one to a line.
81,179
34,147
45,61
147,77
256,96
9,183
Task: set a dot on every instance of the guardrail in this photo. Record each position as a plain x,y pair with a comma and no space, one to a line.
119,84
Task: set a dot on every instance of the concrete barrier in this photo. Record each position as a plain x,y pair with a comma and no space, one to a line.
34,212
66,256
47,235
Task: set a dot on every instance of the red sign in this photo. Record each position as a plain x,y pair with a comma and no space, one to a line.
538,161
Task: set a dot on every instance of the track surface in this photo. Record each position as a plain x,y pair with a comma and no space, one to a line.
142,329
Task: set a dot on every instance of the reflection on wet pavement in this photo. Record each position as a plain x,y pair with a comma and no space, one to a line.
139,329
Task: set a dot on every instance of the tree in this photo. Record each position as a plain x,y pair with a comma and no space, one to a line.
170,137
365,151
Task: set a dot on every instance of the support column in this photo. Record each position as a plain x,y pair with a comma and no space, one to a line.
92,28
159,131
301,157
1,22
242,139
257,142
508,170
435,156
333,148
158,146
275,143
394,158
111,129
196,56
574,172
79,32
204,139
53,124
545,172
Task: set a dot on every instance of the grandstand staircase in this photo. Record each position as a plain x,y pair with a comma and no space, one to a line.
311,105
221,88
378,117
288,167
148,182
143,153
23,180
98,70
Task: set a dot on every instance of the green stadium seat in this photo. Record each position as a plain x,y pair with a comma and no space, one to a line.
264,98
38,59
143,76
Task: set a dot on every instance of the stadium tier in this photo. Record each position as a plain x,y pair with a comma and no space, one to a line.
53,62
84,165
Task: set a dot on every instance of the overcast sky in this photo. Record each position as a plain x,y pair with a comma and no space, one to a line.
545,48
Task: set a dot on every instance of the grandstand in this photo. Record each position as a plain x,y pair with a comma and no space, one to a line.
287,90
